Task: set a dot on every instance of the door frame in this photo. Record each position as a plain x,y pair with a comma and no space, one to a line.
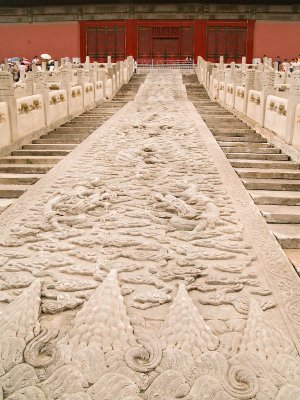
200,33
249,24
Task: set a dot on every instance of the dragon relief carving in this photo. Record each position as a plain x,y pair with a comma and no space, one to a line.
105,355
131,277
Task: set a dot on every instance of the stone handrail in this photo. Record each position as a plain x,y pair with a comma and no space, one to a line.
267,99
43,100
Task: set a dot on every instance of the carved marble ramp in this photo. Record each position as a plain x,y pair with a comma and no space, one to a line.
139,268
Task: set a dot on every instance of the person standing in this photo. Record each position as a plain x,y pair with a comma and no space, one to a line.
265,59
293,65
278,60
35,60
285,65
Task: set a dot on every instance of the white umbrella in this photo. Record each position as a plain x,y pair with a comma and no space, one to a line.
46,56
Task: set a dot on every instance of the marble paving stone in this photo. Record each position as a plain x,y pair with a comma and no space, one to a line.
139,268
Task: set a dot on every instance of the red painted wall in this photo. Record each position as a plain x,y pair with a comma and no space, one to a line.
63,39
27,40
277,39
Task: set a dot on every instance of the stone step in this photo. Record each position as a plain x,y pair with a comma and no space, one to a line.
294,256
106,108
208,112
226,126
30,160
231,127
268,173
56,146
97,120
288,235
254,156
286,197
230,139
5,203
281,214
58,141
89,117
205,106
264,164
251,150
250,146
226,123
67,130
65,136
205,103
271,184
12,191
43,153
25,168
19,179
87,125
249,135
217,119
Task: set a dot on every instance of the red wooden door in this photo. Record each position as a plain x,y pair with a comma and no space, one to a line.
163,42
165,49
227,41
103,41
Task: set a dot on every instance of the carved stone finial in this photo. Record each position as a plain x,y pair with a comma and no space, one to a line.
295,83
6,84
268,79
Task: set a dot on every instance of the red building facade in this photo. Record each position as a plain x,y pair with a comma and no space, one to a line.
157,30
167,40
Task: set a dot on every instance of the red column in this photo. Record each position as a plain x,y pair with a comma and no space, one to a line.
200,38
82,26
250,40
131,38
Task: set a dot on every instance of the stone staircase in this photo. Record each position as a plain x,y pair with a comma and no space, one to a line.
25,166
272,179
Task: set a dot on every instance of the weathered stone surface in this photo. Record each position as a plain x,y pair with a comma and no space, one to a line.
139,268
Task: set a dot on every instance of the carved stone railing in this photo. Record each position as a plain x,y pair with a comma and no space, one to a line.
267,99
42,100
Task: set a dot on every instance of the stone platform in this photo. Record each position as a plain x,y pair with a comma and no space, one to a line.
139,268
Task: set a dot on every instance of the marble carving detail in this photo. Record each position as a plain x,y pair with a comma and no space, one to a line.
131,276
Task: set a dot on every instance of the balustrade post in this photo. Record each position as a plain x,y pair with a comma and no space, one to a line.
244,64
65,74
20,86
121,72
293,101
221,63
131,67
268,80
109,64
114,78
109,83
258,77
213,89
7,94
126,75
29,83
43,89
102,76
249,85
208,74
237,81
118,72
94,72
